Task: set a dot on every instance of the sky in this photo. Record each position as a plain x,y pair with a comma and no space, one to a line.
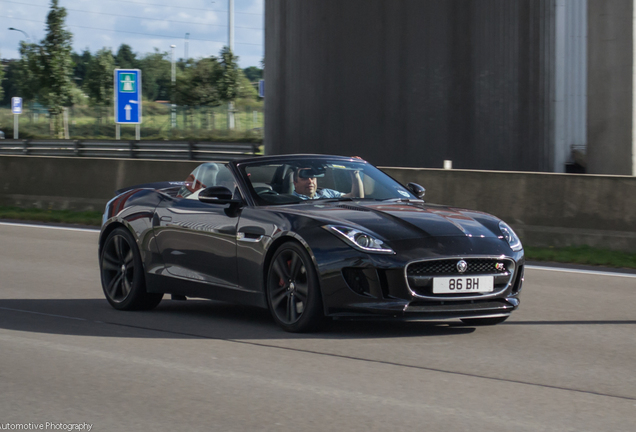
142,24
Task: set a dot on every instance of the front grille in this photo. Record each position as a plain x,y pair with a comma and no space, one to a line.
449,267
420,275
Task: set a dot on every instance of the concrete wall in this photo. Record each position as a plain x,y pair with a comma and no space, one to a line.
610,146
546,209
414,82
78,183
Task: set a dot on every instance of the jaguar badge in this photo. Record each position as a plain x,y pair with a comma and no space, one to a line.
462,266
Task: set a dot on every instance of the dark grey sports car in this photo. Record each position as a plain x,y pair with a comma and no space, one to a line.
309,237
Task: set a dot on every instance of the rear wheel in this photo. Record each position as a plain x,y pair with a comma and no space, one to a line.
122,273
293,293
484,321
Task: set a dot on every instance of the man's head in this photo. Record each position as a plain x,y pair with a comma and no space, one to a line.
305,182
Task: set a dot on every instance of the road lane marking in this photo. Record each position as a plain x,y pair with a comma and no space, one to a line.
589,272
530,267
96,230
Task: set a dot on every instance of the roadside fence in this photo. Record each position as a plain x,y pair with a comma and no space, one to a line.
164,150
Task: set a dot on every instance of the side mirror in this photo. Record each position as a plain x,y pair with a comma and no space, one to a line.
417,190
217,195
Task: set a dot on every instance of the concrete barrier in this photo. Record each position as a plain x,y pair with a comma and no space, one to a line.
78,183
545,209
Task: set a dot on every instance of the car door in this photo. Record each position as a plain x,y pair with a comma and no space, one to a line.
197,240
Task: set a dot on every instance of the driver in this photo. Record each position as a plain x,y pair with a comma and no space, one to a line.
306,186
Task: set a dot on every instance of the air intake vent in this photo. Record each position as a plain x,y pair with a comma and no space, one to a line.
354,208
356,280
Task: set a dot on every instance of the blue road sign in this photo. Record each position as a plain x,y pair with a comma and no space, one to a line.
16,105
127,96
261,88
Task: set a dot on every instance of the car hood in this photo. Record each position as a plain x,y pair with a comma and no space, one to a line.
396,221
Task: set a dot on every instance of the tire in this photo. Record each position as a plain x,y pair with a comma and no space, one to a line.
484,321
122,273
293,291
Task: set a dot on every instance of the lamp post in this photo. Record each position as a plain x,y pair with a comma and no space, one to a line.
231,25
174,77
23,32
230,105
187,39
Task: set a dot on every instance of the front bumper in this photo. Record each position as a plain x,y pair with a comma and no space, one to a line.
379,286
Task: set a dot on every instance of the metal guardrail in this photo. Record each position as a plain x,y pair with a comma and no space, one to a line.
170,150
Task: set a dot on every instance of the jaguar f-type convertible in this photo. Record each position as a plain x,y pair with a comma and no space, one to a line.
311,237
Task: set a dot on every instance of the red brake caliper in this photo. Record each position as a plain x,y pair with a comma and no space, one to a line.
281,282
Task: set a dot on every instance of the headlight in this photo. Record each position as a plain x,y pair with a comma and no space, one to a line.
359,240
510,236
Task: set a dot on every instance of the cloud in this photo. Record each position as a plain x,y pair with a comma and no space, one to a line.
142,26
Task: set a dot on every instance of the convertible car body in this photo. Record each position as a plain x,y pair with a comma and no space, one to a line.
356,244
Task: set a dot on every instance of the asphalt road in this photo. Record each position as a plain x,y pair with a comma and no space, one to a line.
565,361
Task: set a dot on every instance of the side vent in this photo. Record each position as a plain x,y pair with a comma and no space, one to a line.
356,280
518,280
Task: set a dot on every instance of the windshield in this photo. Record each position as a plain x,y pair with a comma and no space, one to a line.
299,180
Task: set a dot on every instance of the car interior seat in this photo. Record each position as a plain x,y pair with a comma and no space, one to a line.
206,174
288,182
202,177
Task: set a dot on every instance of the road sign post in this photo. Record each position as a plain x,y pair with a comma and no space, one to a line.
16,109
128,98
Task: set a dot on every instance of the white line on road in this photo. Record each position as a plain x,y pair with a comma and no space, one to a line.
590,272
49,227
530,267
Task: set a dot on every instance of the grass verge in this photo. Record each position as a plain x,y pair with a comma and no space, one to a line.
582,255
59,216
575,255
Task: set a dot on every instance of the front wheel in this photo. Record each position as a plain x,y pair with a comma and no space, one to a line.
293,292
484,321
122,273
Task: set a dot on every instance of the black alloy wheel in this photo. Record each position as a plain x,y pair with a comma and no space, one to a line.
122,273
293,293
484,321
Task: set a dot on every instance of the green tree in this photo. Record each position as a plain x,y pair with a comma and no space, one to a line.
30,71
253,73
126,58
1,79
156,80
228,75
56,72
80,66
99,79
246,89
196,86
228,82
10,83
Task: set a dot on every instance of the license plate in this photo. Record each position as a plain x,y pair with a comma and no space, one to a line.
457,285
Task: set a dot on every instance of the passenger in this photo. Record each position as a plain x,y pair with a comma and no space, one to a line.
306,186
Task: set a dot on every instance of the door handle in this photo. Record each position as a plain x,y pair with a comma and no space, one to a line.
166,219
250,234
250,238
